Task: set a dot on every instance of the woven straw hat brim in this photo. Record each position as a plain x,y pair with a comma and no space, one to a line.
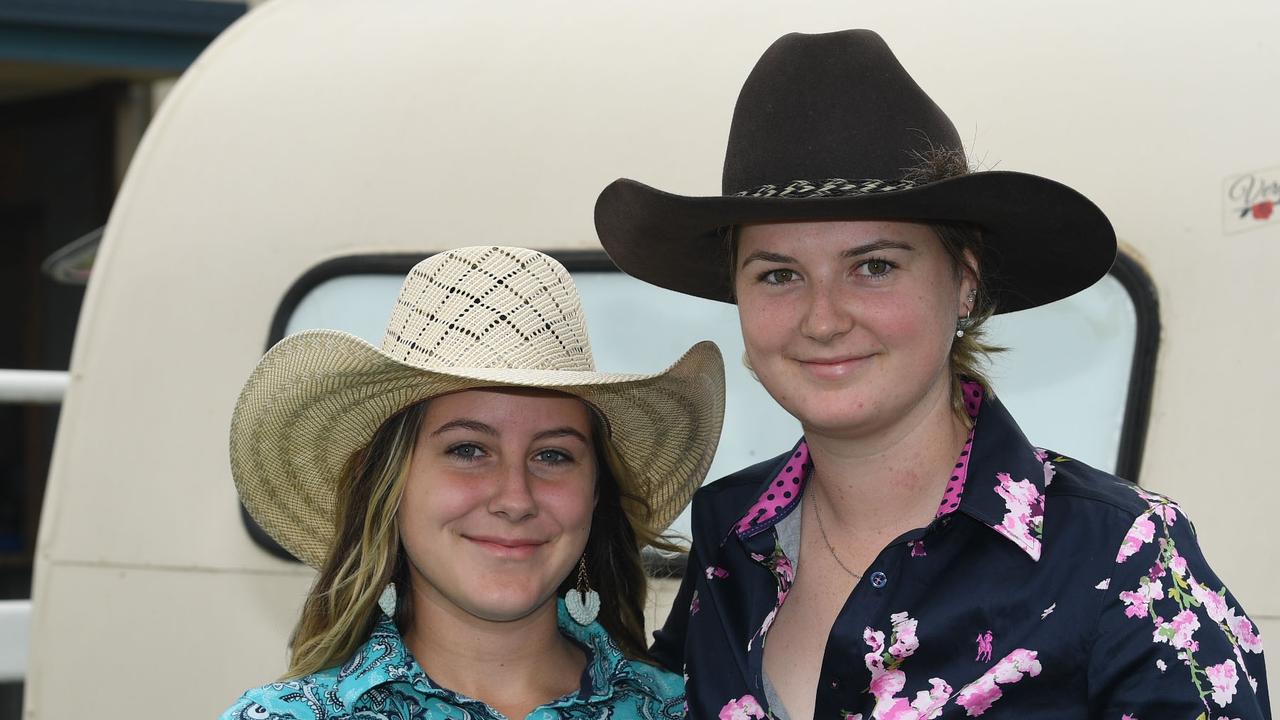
319,395
1043,241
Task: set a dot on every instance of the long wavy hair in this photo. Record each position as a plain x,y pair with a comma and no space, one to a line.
342,606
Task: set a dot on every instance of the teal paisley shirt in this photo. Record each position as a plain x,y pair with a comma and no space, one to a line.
382,681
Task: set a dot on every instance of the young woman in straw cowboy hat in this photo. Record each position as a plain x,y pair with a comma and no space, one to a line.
913,555
451,484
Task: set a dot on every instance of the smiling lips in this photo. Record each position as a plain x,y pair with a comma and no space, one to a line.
832,368
512,548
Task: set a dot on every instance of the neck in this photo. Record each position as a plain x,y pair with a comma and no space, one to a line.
891,480
514,666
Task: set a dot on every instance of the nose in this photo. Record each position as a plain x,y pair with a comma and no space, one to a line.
826,317
512,495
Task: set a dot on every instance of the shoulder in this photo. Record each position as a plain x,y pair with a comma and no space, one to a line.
284,700
1071,482
664,683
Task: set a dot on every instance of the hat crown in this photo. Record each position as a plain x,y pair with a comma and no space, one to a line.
831,105
489,307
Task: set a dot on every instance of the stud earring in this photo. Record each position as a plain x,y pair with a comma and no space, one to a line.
581,601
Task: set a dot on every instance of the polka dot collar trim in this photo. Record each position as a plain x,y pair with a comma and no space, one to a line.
972,392
783,493
787,486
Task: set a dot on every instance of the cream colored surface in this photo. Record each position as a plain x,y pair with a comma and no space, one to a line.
319,128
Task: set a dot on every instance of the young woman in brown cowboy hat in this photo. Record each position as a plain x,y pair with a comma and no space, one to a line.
913,556
451,484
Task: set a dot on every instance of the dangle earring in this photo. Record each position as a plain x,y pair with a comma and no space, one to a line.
387,600
963,323
581,601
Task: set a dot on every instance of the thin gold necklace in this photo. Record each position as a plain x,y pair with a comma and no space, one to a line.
826,540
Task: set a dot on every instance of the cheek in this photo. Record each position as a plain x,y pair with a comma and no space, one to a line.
765,327
434,498
572,504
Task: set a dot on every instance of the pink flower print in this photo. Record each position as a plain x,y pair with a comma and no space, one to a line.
846,715
1049,472
1103,585
885,684
1142,532
695,604
1041,454
978,696
1139,601
904,634
785,570
744,708
875,641
1245,669
1127,716
984,647
928,704
917,548
714,572
894,709
1214,604
1179,631
1024,518
1224,679
1242,628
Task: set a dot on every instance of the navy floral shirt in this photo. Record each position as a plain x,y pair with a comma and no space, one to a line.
382,681
1043,589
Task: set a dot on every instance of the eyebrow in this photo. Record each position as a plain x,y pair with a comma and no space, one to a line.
465,424
874,246
477,426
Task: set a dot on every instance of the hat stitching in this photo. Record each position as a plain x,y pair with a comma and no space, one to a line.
829,187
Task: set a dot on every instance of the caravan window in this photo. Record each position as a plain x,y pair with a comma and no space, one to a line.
1077,374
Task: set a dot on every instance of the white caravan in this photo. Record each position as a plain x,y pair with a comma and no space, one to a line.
318,147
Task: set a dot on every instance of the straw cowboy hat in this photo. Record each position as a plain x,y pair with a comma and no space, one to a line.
828,127
466,318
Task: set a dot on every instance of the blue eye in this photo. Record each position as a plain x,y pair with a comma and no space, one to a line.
552,457
466,451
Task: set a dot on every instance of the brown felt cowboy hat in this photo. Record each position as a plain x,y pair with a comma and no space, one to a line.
829,127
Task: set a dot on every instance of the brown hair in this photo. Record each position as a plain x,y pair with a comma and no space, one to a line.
971,353
341,608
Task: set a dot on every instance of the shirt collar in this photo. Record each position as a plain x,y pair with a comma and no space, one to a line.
1000,479
384,659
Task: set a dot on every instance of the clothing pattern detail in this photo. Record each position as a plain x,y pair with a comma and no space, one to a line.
972,393
383,680
1179,606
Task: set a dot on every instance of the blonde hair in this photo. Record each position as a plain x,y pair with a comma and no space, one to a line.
341,608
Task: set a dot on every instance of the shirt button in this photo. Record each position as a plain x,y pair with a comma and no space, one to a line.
879,579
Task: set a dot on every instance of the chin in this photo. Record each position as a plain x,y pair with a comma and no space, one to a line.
506,604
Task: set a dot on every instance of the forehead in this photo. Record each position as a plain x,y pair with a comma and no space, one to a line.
832,236
510,408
